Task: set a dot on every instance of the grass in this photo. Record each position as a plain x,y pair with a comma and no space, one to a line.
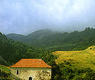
4,69
78,59
5,73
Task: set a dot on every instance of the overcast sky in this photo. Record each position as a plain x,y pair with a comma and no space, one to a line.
26,16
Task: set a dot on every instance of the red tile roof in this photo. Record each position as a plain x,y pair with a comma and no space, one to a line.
34,63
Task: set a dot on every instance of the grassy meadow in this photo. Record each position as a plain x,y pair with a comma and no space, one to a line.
81,59
76,65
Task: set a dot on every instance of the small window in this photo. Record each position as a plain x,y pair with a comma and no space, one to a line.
17,72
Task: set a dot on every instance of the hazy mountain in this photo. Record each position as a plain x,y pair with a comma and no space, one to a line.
36,38
16,36
58,40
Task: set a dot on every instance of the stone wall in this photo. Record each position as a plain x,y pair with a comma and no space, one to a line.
35,73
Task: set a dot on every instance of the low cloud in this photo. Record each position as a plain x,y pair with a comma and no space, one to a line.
26,16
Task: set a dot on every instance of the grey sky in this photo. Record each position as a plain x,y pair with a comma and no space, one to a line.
25,16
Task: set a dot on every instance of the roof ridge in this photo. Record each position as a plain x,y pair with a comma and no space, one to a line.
31,63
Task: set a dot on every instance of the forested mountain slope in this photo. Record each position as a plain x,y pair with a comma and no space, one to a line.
58,40
11,51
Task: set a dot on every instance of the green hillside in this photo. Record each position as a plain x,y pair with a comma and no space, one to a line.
11,51
77,65
53,40
3,61
17,37
5,74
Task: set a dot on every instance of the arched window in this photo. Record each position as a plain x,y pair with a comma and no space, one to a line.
17,72
30,78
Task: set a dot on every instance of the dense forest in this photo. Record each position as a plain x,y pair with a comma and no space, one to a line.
11,51
41,44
